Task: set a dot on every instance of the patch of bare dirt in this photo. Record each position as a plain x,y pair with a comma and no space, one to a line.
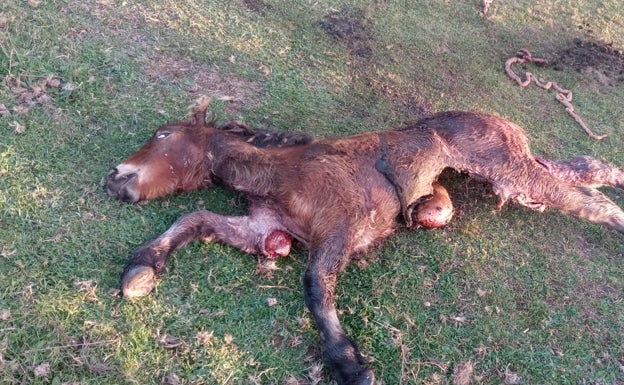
589,291
257,6
601,63
348,27
408,100
197,79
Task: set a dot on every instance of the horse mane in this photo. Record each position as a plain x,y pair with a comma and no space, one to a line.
260,137
257,137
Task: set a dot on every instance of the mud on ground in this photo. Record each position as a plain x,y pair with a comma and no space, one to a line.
349,27
599,62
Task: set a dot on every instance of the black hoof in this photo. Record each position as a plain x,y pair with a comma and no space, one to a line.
367,377
138,281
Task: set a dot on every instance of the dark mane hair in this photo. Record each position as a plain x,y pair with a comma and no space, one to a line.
260,137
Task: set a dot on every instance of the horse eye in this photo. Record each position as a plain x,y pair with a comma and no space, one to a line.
162,135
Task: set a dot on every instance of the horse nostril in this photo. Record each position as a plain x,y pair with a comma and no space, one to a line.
115,176
115,180
122,182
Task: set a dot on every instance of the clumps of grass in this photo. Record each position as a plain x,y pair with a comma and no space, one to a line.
29,96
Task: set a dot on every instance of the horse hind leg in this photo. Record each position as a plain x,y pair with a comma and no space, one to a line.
329,256
575,191
538,188
586,203
585,171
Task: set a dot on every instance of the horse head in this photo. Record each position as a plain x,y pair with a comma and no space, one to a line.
173,159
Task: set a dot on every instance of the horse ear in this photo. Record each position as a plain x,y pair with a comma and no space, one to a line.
198,110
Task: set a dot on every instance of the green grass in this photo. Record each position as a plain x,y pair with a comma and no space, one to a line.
515,292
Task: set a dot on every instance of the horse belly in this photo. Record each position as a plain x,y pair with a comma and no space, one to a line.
370,237
377,219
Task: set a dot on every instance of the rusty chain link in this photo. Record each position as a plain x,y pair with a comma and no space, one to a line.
564,96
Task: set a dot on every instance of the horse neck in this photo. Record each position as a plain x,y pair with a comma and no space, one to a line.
241,166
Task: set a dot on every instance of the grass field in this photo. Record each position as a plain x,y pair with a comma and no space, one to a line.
509,297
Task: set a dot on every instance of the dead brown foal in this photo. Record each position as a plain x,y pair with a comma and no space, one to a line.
340,196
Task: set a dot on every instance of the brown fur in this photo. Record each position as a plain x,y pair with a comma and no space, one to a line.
328,194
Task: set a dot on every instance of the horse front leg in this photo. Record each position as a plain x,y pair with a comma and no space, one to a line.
341,355
259,233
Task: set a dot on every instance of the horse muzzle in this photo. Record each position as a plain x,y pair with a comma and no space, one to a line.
122,185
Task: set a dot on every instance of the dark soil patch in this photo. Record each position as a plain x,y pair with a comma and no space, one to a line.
599,62
258,6
347,27
414,106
